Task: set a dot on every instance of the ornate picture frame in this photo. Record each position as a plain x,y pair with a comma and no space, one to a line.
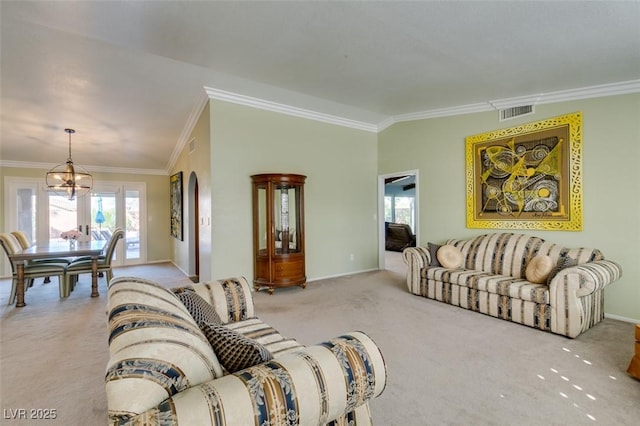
176,205
526,177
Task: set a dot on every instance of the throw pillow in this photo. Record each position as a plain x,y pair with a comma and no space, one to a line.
563,262
200,310
539,268
450,257
234,351
433,253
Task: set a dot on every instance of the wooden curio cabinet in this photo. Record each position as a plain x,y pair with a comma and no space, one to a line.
278,231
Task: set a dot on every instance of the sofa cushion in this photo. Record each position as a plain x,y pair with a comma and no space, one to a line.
263,333
200,310
235,351
230,297
502,285
450,257
563,262
539,268
433,253
156,347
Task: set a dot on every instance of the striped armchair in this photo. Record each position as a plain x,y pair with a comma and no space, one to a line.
163,370
493,279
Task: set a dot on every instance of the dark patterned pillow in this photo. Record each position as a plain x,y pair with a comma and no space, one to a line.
201,311
234,351
433,250
563,262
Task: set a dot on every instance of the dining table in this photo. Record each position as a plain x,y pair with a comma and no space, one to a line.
57,249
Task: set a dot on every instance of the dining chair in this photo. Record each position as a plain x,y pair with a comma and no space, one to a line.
25,244
83,265
11,245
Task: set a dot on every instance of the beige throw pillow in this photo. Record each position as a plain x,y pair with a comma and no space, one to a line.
538,269
450,257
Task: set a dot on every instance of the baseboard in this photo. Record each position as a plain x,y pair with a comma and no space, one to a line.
619,318
309,280
178,266
149,262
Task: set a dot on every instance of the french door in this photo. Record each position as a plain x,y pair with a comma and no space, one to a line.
43,216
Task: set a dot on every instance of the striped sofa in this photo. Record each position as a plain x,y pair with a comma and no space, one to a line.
163,371
492,280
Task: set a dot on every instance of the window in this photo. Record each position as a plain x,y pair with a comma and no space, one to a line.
42,215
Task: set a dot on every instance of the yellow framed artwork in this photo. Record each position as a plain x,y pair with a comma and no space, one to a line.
526,177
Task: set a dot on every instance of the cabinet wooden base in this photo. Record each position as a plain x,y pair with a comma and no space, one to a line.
271,288
634,365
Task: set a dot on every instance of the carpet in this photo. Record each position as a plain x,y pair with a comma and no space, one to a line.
446,365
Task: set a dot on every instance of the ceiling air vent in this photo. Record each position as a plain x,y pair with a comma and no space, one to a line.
192,145
509,113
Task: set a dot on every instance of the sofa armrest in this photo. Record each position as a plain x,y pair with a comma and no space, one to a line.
575,296
416,259
231,298
314,385
593,276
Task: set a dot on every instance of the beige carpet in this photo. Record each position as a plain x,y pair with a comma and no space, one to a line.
446,365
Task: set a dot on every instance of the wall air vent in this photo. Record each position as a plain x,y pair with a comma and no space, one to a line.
192,145
509,113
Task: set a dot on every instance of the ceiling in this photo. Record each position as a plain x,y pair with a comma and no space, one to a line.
130,77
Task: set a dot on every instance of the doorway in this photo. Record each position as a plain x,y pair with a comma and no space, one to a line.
397,203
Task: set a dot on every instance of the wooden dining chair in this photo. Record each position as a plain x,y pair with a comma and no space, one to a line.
83,265
11,245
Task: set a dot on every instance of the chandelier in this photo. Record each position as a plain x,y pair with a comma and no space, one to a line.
68,180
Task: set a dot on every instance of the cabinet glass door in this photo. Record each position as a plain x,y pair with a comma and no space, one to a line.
286,200
262,220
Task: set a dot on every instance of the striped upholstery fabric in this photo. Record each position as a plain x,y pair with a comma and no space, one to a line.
322,384
161,373
157,350
266,335
492,281
231,298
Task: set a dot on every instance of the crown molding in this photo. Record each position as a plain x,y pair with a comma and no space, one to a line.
613,89
603,90
236,98
196,111
100,169
516,102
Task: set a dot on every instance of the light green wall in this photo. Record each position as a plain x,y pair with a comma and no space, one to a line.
233,142
340,192
157,205
611,152
196,165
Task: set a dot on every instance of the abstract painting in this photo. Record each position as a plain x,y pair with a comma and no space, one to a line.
526,177
176,205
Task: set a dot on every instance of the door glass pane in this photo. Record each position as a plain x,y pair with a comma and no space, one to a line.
103,215
62,215
26,206
132,224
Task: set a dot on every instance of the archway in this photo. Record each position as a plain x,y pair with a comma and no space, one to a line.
194,229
